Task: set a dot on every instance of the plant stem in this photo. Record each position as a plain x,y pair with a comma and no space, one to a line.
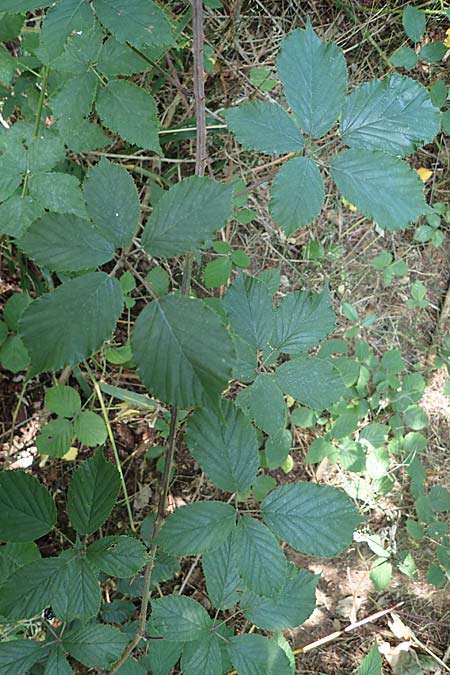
200,163
37,122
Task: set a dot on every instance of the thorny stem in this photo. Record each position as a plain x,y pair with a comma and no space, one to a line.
200,163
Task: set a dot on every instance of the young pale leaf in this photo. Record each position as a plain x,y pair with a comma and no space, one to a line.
18,656
248,304
312,381
259,558
90,428
113,105
26,592
139,22
314,519
314,77
197,527
263,402
95,645
414,23
92,493
187,215
371,664
27,510
221,575
297,194
394,114
255,654
179,618
121,556
265,127
362,176
58,192
66,326
202,657
112,202
183,351
77,592
65,243
162,656
225,446
17,213
65,17
289,609
302,320
57,663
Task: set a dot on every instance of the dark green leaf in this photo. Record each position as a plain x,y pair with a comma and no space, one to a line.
202,657
314,519
297,194
29,590
63,400
162,656
81,51
55,438
248,304
183,351
221,575
119,59
371,664
404,57
312,381
17,213
58,192
11,26
74,99
314,78
140,22
186,216
255,655
57,663
18,656
265,127
264,403
27,510
92,494
22,5
77,592
95,645
64,18
117,556
66,326
414,23
13,354
179,618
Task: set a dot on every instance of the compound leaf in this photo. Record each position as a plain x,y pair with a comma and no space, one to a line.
139,22
297,194
362,176
225,446
314,519
26,592
60,21
92,493
121,556
248,303
221,575
112,202
254,654
394,114
65,243
114,103
259,558
26,507
179,618
186,216
183,351
265,127
197,527
16,6
312,381
66,326
314,78
95,645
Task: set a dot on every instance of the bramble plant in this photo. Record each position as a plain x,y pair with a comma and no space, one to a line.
231,376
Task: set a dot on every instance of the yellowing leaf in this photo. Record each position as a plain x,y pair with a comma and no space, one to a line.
349,205
71,454
424,174
447,39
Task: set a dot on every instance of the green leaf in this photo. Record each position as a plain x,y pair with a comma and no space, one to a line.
221,575
277,449
290,608
202,657
7,66
371,664
433,52
362,176
404,57
259,558
63,400
438,94
55,438
64,18
57,664
435,575
263,485
11,26
74,99
13,354
58,192
312,381
65,243
95,645
314,78
297,194
29,590
265,127
81,51
381,574
446,122
414,23
14,308
248,304
179,618
196,528
302,320
139,22
22,5
240,258
159,279
90,429
183,351
255,654
92,494
84,137
439,498
121,556
17,213
264,403
162,656
77,592
225,446
18,656
314,519
394,114
186,216
112,202
132,398
217,272
119,59
66,326
113,105
28,511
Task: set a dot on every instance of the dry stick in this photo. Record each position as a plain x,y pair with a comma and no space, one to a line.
200,157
